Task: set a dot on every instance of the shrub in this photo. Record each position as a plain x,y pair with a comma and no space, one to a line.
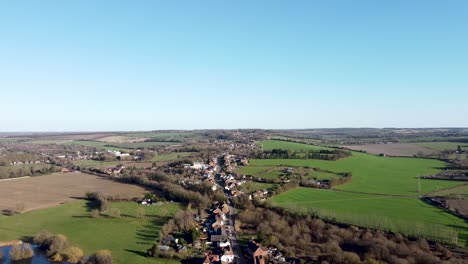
114,212
21,252
19,208
73,254
43,239
101,257
57,245
95,213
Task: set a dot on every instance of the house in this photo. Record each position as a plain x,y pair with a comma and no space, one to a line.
257,252
227,257
225,208
198,165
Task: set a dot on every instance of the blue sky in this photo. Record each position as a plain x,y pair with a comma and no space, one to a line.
143,65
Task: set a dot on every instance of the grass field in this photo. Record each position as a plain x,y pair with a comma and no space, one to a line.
373,174
267,172
172,156
255,186
382,188
411,210
95,163
127,237
443,145
278,144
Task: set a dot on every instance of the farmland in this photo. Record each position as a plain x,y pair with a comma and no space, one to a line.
372,174
124,146
444,145
359,208
173,156
127,237
402,149
51,190
381,188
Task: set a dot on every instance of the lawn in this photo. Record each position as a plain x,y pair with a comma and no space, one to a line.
396,209
127,237
373,174
444,145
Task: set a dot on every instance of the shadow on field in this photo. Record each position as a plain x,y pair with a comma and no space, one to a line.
90,204
140,253
150,232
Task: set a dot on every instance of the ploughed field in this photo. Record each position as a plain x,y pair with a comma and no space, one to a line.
383,193
51,190
400,149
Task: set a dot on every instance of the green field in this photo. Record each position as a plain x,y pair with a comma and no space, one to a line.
275,172
267,172
278,144
95,163
373,174
395,209
250,186
172,156
127,237
382,189
443,145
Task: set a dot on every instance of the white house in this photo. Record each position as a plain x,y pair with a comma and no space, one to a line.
227,257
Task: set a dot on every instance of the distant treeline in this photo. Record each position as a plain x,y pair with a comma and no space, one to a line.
7,172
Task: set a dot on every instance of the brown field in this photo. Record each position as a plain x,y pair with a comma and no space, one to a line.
51,190
460,205
395,149
121,139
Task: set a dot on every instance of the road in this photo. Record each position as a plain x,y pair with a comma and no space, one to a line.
232,216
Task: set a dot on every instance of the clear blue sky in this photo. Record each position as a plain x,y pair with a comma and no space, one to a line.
143,65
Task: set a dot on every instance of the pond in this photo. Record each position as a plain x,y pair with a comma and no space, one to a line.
39,256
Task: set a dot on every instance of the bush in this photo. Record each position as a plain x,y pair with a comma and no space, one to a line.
43,239
21,252
73,254
101,257
95,213
114,212
57,245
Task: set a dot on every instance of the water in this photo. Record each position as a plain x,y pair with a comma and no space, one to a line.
38,258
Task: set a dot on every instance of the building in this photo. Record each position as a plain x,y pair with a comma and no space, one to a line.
257,252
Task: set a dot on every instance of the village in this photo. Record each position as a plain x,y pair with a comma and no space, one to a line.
218,240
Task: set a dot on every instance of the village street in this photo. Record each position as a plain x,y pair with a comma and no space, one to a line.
232,218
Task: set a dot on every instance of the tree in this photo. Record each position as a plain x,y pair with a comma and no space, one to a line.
459,149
